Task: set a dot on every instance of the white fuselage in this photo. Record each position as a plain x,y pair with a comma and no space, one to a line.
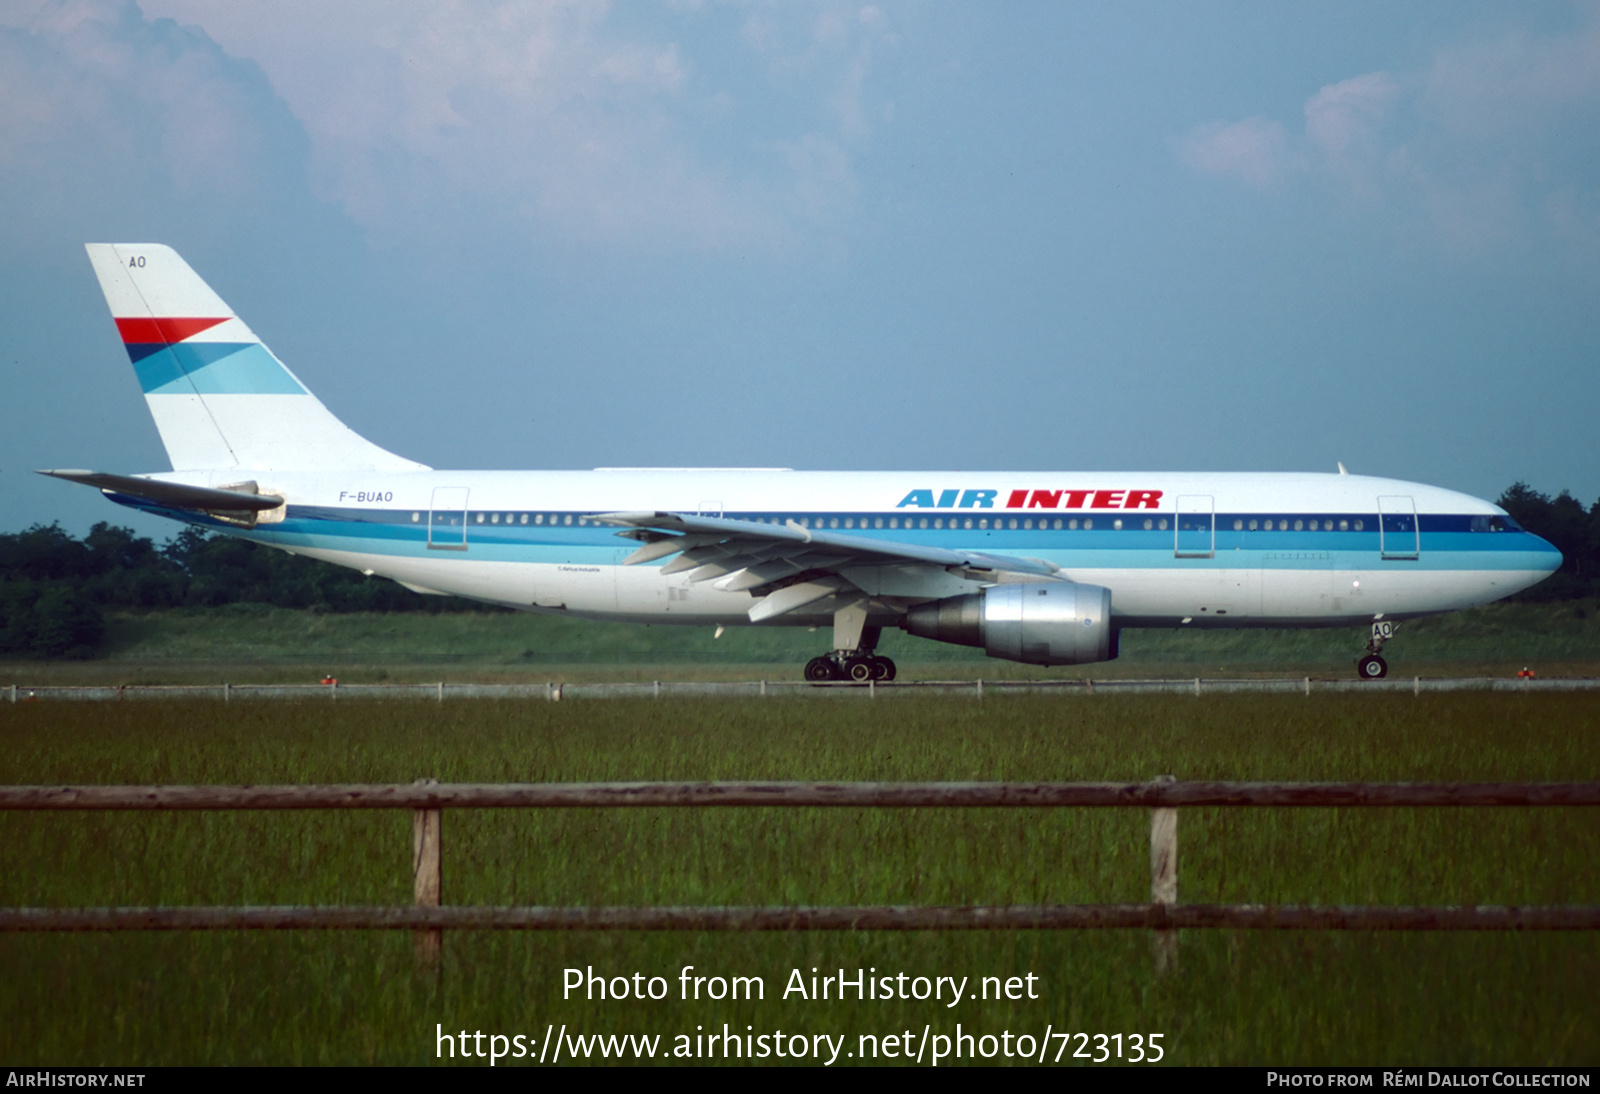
1174,549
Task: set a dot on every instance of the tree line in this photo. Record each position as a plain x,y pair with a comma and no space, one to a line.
55,589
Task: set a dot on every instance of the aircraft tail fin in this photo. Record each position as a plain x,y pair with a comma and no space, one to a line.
220,398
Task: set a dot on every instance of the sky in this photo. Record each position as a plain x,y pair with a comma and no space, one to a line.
1030,236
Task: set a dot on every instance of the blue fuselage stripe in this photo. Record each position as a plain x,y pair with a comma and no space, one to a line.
1444,543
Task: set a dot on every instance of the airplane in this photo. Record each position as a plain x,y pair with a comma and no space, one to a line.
1045,568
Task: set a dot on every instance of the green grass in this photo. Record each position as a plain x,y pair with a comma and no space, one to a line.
1238,997
249,643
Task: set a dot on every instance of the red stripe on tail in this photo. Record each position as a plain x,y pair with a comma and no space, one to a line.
163,331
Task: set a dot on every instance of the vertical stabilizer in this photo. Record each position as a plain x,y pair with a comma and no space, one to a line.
219,397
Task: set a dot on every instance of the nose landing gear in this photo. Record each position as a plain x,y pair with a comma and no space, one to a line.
1372,666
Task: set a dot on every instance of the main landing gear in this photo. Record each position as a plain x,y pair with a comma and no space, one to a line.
849,665
1373,667
852,658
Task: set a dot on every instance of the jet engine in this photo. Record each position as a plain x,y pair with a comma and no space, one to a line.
1041,623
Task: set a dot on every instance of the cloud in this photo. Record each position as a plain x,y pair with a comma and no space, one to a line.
1345,116
1255,150
111,118
566,118
1493,143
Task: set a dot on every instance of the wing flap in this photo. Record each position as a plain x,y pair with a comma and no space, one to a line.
793,597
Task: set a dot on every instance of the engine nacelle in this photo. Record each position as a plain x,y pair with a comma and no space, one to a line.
1040,623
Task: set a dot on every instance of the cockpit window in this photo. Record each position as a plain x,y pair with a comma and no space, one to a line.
1494,524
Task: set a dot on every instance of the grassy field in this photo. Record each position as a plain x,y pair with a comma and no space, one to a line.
249,643
1237,997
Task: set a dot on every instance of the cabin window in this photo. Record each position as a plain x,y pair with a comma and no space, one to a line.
415,517
967,523
480,518
1359,525
1117,524
1344,526
1238,526
1162,524
1148,524
983,522
834,523
1088,524
1057,524
938,522
568,519
877,522
1073,524
894,522
922,522
492,520
1013,524
1028,524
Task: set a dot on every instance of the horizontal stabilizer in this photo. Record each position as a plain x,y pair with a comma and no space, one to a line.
176,495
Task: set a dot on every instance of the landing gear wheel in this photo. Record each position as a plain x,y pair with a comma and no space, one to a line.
859,669
882,669
1372,667
821,670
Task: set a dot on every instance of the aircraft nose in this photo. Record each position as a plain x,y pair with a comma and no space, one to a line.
1550,558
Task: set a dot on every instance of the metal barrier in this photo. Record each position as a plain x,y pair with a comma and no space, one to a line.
663,689
1164,796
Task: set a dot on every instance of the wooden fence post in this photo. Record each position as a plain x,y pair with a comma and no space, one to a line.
427,872
1164,877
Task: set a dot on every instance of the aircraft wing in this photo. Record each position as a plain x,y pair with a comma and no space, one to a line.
785,565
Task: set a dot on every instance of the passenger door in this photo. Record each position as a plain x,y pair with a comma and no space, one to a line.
1399,536
447,519
1196,527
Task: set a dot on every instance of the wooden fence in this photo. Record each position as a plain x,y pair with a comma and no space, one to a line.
1163,796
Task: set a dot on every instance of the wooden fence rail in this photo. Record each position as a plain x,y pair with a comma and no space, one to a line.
1156,793
1163,796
